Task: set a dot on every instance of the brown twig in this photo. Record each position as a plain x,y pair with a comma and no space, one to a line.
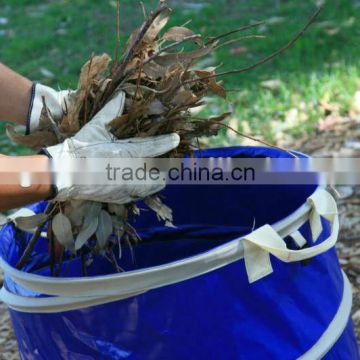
266,59
116,57
134,45
113,260
230,42
52,251
66,272
87,91
243,28
128,243
161,51
138,80
133,232
143,9
171,46
54,126
249,136
146,88
30,246
58,271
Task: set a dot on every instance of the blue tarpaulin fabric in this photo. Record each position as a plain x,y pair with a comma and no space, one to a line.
218,315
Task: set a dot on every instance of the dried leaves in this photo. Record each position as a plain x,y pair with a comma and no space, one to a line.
104,229
177,33
35,140
155,28
162,211
61,227
162,85
90,87
30,223
87,231
159,78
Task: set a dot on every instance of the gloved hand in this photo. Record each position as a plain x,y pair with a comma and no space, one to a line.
56,101
95,141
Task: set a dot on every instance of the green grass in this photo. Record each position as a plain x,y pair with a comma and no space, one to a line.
61,35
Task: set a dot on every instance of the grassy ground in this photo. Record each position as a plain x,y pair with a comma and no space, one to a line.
48,41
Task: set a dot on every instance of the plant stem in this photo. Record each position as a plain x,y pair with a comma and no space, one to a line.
131,50
83,261
243,28
266,59
171,46
250,137
116,57
113,260
55,128
52,255
58,271
30,246
233,41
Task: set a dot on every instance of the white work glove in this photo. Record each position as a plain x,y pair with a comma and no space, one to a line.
95,141
56,101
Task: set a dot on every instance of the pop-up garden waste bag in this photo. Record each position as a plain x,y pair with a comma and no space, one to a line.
249,272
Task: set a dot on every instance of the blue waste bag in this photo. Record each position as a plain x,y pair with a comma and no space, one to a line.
218,286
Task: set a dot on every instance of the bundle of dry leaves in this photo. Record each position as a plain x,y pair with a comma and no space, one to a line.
162,86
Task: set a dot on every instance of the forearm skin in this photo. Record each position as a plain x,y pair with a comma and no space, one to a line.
15,95
13,195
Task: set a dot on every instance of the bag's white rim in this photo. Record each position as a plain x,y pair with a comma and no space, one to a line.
218,257
56,304
335,328
69,295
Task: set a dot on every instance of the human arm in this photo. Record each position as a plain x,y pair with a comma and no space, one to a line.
12,194
15,95
21,100
93,141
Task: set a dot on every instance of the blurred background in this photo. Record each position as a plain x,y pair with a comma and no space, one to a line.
49,41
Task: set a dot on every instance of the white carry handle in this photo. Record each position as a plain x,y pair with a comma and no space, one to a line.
265,241
76,293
